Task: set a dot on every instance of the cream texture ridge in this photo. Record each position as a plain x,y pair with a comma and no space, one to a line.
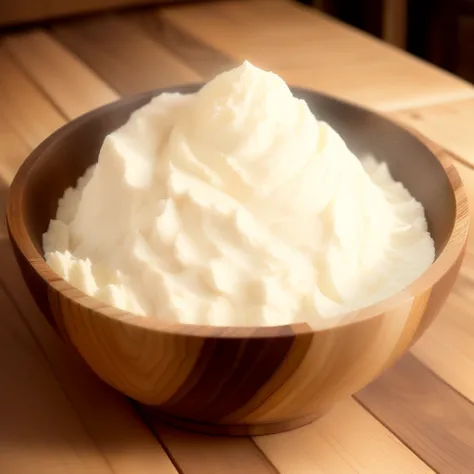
235,206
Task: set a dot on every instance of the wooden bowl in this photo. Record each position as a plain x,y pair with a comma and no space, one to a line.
239,380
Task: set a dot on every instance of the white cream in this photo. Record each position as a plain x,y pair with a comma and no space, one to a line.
236,206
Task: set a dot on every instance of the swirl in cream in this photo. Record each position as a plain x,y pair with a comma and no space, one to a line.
236,206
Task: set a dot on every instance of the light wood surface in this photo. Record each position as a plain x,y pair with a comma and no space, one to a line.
448,124
124,54
360,446
22,105
196,454
413,403
59,74
109,420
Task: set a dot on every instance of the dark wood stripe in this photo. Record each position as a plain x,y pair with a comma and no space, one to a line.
121,53
232,367
294,358
426,414
202,57
199,454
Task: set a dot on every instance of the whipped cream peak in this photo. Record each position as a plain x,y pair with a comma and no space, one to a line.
236,206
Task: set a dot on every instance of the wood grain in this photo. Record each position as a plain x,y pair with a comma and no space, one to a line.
24,107
13,150
73,88
447,348
467,175
36,416
123,55
311,50
202,58
344,441
425,414
449,125
197,454
237,380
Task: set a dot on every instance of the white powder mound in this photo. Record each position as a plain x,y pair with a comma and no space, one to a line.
235,206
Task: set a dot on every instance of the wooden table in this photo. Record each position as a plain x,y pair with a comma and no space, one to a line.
57,417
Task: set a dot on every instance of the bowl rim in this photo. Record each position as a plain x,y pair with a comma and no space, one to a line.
19,235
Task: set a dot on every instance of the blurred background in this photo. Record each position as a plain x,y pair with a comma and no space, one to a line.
439,31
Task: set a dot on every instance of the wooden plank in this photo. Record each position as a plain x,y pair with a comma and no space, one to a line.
345,441
23,106
71,86
40,431
447,348
311,50
123,55
196,454
449,125
11,152
21,11
425,414
202,58
125,444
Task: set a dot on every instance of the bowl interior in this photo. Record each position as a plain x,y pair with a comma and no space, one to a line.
61,159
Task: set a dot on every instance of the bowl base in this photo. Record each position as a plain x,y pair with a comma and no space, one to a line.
231,430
